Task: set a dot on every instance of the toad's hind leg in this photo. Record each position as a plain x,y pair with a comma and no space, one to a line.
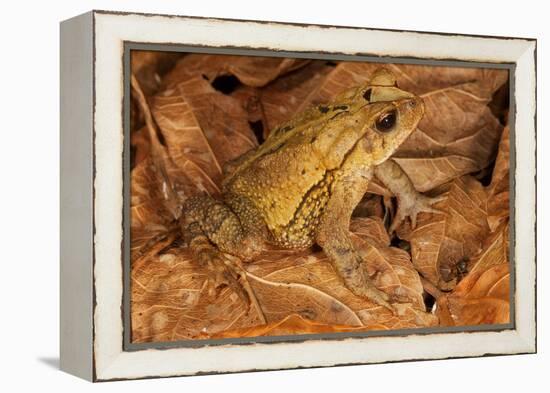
212,230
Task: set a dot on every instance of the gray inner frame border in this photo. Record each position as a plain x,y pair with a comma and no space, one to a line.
128,345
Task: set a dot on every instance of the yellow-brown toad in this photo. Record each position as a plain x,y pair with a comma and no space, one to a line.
302,184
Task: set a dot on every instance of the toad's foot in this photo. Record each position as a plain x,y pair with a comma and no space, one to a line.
222,272
409,201
376,295
411,206
225,270
362,285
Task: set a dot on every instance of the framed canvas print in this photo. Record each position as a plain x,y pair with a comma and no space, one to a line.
243,195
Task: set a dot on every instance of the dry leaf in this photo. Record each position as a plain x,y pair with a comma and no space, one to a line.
370,206
169,301
495,250
211,110
250,70
490,306
150,66
483,296
498,206
442,241
291,325
249,99
147,207
293,93
481,83
203,129
139,141
159,187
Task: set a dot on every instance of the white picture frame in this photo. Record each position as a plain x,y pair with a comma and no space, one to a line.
92,194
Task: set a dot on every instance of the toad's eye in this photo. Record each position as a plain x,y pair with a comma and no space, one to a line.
386,121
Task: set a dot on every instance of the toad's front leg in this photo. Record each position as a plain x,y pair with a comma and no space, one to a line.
409,201
334,237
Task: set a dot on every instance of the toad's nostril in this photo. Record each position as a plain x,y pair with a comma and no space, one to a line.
412,103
